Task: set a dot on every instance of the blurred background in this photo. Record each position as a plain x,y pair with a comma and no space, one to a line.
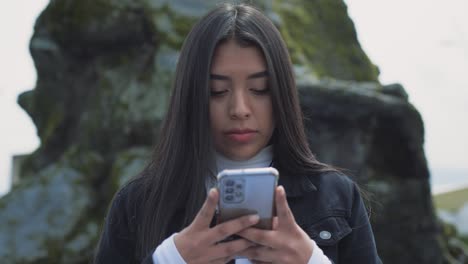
421,44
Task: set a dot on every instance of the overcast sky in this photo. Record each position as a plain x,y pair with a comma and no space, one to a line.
422,44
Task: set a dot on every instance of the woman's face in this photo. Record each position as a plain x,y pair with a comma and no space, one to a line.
241,113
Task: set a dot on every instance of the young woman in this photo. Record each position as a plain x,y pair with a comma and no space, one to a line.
234,104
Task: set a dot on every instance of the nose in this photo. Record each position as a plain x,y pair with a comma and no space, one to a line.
239,105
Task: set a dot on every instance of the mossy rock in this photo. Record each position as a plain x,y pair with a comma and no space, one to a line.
128,164
41,219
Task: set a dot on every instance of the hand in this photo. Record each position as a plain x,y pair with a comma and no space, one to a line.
286,243
197,243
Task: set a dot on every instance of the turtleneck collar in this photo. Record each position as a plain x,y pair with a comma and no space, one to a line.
294,185
262,159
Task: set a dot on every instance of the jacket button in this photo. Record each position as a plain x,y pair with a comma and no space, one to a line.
325,235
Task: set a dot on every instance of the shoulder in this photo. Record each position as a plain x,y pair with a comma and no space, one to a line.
131,191
335,182
335,191
119,231
126,203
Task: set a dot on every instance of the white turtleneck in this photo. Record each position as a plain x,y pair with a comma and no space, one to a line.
167,252
262,159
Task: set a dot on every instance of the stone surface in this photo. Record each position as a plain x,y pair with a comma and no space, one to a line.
378,139
127,164
104,74
42,218
454,245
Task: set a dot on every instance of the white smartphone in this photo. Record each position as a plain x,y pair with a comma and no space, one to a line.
247,191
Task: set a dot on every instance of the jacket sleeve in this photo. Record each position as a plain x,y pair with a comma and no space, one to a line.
117,243
359,246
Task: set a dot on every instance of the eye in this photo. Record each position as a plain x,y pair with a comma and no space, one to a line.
263,91
217,93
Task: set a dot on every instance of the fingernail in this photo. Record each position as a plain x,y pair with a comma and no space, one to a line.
281,189
211,193
254,218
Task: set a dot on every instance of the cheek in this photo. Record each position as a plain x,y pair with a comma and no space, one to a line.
215,117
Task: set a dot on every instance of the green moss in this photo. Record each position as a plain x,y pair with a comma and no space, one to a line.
320,35
171,26
54,119
68,16
83,238
87,162
464,239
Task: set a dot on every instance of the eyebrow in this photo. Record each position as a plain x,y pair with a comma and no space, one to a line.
251,76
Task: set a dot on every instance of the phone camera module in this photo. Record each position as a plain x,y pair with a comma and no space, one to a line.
233,190
230,182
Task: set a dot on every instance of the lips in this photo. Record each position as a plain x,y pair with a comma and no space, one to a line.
241,135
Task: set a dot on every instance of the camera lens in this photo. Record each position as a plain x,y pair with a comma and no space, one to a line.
229,198
229,183
229,190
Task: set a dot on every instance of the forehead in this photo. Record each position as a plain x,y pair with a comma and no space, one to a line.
230,56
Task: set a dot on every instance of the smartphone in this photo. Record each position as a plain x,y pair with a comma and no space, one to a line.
247,191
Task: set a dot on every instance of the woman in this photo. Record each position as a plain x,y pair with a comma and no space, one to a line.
234,105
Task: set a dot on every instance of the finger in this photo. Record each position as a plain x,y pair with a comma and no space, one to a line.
206,213
259,254
227,250
260,237
224,230
285,216
274,223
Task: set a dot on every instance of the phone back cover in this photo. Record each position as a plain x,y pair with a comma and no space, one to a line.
258,198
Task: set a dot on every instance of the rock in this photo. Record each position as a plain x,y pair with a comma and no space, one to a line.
395,89
455,250
118,58
47,218
321,37
127,164
379,139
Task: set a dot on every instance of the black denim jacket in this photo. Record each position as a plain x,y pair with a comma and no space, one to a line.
328,207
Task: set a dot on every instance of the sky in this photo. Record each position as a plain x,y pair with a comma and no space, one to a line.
422,44
17,74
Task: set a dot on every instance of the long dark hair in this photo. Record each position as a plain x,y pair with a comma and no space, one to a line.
174,182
